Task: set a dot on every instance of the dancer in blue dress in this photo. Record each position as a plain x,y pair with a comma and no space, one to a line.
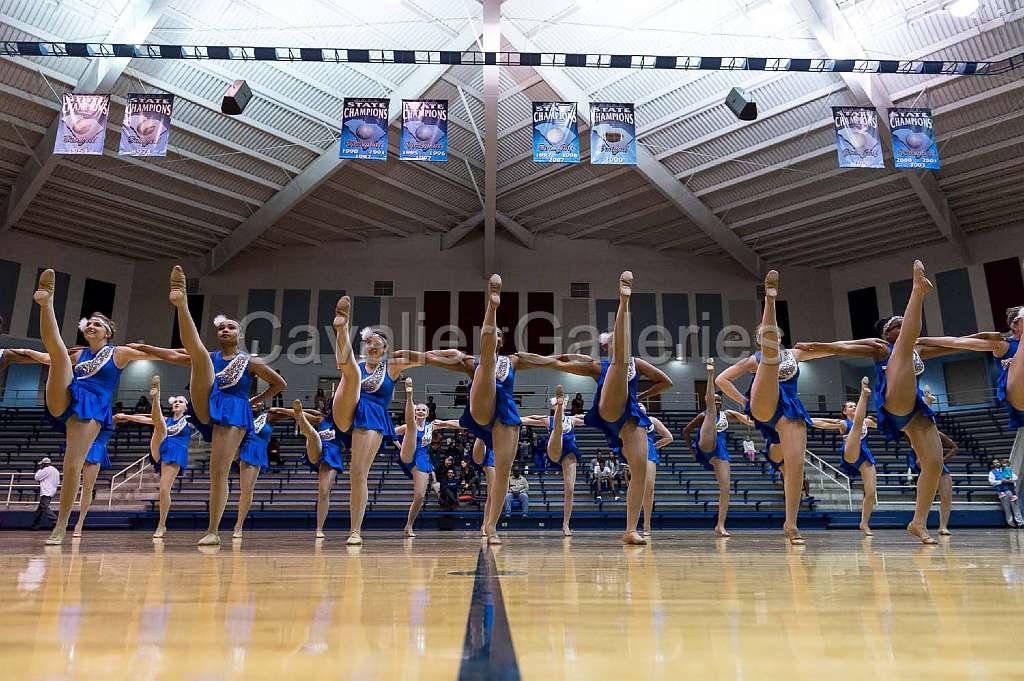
901,407
414,458
773,402
359,408
710,446
220,384
658,437
491,413
168,446
323,454
80,389
561,449
857,459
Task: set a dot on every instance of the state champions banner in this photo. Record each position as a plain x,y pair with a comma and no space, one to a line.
424,130
913,139
146,125
556,136
857,140
83,124
364,129
612,134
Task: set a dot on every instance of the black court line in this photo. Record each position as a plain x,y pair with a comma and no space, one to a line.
487,652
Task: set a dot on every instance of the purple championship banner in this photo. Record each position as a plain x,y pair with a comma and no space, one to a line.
857,140
556,136
424,130
83,124
146,125
364,129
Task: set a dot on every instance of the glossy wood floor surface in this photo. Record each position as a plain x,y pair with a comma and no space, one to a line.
116,605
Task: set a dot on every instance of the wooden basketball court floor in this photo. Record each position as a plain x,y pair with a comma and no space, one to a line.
277,605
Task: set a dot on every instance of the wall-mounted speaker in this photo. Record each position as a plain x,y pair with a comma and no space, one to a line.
741,104
236,97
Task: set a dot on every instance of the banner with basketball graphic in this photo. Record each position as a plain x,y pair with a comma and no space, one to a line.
857,140
555,133
364,129
612,134
913,139
146,125
424,130
83,124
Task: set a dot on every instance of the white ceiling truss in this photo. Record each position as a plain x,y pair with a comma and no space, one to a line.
761,193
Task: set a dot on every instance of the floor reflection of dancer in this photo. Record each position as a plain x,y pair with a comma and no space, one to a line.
416,434
561,449
80,392
168,446
323,454
710,447
658,437
857,459
219,385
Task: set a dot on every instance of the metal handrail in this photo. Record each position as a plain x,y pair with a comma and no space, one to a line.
142,464
12,485
827,471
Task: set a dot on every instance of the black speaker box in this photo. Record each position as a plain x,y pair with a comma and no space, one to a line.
741,104
236,98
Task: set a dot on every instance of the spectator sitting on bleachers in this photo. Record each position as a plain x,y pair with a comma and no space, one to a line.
600,477
1002,477
448,494
469,479
576,408
142,406
518,489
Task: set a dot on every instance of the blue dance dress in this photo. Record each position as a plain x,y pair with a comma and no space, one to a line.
1015,415
253,449
93,385
174,448
721,450
853,469
98,450
891,425
631,410
505,410
652,451
330,449
569,446
789,405
229,396
421,459
375,392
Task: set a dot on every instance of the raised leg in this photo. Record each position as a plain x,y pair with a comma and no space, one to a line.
722,474
901,389
346,395
407,453
505,439
61,373
323,499
80,436
793,435
247,475
168,473
851,447
764,391
708,438
924,438
615,390
223,451
555,436
419,494
648,507
90,471
568,492
482,389
202,374
159,426
365,444
634,448
314,447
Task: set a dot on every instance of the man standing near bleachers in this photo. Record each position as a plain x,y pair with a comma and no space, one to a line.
48,478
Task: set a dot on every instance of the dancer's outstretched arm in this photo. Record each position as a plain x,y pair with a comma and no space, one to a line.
659,379
141,419
828,424
725,380
870,347
739,418
662,430
982,342
534,421
169,355
579,365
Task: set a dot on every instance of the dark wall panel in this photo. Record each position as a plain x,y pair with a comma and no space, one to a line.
643,308
1005,288
675,313
710,321
437,314
325,302
471,315
60,303
97,296
259,333
9,273
956,304
540,302
195,310
863,304
366,312
294,314
508,318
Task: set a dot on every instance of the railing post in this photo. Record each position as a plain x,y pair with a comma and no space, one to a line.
10,490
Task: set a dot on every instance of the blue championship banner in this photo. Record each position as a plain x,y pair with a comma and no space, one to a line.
364,129
857,141
913,139
424,130
555,134
146,125
612,134
83,124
